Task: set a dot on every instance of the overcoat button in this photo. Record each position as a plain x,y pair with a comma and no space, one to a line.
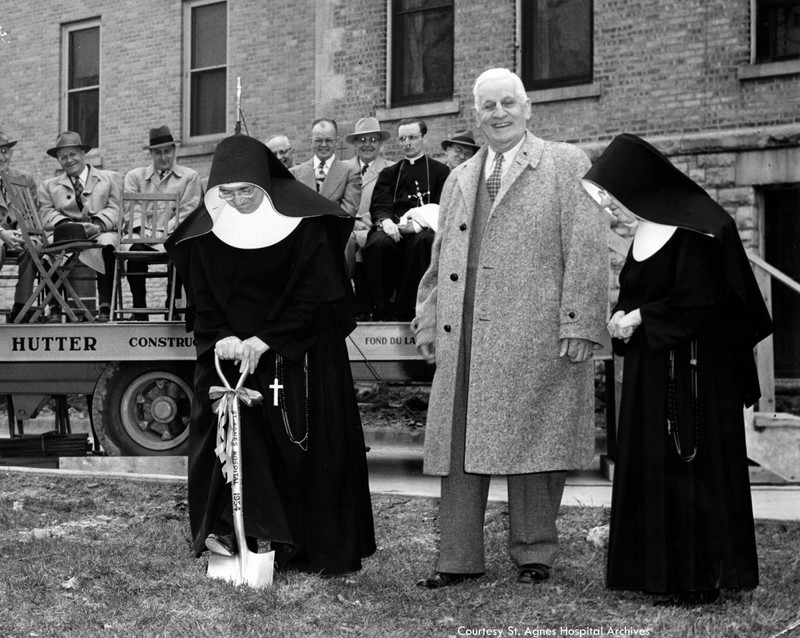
463,227
447,328
571,315
454,277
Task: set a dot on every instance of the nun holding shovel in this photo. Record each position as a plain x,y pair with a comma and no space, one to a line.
271,305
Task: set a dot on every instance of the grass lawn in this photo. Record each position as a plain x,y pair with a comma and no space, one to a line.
111,557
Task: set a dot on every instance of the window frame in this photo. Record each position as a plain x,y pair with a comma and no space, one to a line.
525,40
189,72
392,64
755,6
66,92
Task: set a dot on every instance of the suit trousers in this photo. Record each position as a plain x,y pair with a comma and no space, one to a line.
533,503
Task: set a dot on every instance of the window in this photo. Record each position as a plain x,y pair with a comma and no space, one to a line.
556,43
208,71
422,51
82,80
777,30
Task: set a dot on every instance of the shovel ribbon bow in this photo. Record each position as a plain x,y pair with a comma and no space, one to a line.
226,408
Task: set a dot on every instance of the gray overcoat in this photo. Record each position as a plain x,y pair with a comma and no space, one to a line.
542,277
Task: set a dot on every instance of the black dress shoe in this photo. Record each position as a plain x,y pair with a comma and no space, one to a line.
530,573
104,314
444,579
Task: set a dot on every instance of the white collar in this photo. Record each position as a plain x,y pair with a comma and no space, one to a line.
508,157
263,227
84,175
328,161
414,160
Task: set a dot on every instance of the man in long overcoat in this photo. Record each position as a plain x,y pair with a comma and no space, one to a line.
511,310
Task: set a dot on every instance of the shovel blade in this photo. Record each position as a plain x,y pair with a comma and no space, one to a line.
254,570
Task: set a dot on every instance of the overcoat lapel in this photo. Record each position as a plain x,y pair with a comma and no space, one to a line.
529,154
469,179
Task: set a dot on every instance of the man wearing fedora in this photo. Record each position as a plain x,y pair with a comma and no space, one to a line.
459,148
162,175
90,196
331,177
10,235
368,139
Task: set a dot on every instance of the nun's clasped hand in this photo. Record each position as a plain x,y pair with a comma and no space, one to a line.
622,326
248,352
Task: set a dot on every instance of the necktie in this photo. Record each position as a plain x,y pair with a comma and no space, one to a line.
320,175
493,182
364,169
161,174
3,189
76,184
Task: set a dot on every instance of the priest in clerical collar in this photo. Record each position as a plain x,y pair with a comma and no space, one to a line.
404,211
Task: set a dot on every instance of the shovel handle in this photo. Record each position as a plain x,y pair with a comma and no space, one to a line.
222,376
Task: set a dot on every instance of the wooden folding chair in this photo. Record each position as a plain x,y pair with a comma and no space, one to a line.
52,263
146,220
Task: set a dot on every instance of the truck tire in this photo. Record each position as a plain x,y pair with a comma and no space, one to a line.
142,409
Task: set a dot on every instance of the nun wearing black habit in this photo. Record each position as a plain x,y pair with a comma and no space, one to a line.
267,291
687,319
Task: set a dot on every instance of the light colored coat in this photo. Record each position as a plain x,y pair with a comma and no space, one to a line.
368,179
180,179
101,197
542,277
341,183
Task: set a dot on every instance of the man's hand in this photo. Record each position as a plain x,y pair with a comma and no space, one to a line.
249,352
391,229
92,230
11,238
428,352
578,350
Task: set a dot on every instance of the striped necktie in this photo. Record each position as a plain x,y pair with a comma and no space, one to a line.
76,184
320,175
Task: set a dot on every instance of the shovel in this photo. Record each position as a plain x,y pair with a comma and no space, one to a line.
246,567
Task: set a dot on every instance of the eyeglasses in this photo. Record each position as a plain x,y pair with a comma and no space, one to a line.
409,138
319,141
461,151
246,192
6,150
363,139
283,151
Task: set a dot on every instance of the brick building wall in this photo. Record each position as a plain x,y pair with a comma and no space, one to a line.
669,70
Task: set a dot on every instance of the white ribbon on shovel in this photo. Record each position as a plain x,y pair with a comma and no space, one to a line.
245,567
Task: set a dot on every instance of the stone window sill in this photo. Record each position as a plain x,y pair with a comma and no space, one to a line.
768,69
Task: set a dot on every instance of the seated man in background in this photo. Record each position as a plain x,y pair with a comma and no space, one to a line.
162,175
368,139
282,148
398,249
459,149
10,235
90,196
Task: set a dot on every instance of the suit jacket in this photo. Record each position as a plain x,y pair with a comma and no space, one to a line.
101,202
18,178
368,179
542,276
341,184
